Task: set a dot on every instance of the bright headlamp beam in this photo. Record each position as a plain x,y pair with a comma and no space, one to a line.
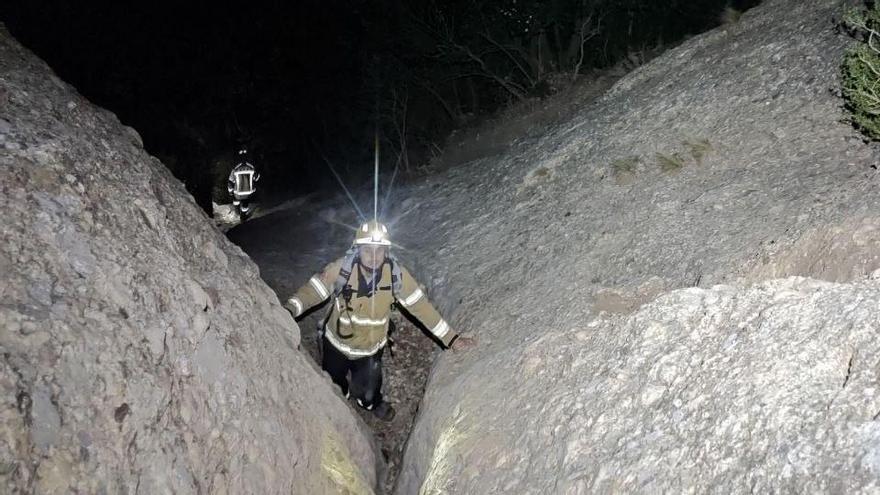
376,178
390,188
347,192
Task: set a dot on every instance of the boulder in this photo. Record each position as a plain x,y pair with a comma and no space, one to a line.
142,353
672,290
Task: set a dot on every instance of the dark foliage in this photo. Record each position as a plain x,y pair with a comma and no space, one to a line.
298,80
860,71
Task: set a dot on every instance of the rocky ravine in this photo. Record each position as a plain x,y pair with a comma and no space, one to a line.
724,161
589,263
142,353
674,291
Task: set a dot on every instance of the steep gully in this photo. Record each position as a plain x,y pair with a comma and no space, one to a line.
682,197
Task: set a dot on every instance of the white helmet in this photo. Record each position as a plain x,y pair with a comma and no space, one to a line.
372,233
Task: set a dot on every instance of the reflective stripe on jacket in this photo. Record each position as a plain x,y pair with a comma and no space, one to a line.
358,324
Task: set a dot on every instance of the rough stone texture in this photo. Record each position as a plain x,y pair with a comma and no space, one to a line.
675,291
141,351
763,390
723,161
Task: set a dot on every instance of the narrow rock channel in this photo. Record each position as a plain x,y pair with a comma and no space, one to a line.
406,366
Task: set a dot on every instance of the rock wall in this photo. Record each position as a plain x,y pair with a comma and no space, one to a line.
766,389
627,277
142,353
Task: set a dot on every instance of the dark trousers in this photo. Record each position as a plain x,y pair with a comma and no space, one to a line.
366,375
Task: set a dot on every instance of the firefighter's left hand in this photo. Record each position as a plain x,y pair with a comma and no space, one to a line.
463,343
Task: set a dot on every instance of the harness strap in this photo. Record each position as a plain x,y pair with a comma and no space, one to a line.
345,271
351,258
348,262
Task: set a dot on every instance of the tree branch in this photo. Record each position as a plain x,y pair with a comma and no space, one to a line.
868,64
511,87
585,36
506,51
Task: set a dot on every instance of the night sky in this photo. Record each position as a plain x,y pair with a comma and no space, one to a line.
296,81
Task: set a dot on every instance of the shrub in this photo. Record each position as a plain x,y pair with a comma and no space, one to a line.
624,169
860,71
730,15
626,165
670,163
698,149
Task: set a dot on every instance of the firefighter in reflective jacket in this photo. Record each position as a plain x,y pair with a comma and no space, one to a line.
241,183
362,286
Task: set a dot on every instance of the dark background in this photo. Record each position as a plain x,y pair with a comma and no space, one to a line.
303,80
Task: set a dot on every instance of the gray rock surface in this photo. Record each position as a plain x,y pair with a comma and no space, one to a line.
724,161
763,390
674,291
142,353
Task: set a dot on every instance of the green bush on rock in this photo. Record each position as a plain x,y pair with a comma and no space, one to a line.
860,71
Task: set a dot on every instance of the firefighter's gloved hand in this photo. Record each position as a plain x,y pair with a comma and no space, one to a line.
463,343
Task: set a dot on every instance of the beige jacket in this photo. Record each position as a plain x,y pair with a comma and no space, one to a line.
359,327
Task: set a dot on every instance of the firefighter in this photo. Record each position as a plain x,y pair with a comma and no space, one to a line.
362,286
241,184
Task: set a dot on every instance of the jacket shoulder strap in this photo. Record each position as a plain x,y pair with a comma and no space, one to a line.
348,263
345,271
396,276
341,279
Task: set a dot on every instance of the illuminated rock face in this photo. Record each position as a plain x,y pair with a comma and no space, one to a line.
771,387
141,351
628,273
